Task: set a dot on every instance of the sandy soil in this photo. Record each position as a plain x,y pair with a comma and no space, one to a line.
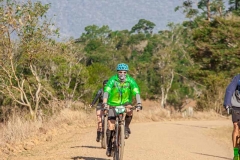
177,140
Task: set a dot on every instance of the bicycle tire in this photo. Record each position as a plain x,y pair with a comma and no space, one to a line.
104,130
121,143
116,142
102,136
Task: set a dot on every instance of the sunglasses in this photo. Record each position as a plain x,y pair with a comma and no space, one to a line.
122,72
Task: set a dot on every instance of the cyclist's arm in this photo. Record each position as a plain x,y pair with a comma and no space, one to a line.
138,98
229,91
105,97
135,90
96,97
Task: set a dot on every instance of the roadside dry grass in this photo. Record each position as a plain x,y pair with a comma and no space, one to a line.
159,114
19,134
18,129
153,112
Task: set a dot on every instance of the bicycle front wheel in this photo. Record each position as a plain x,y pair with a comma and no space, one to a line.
121,142
116,141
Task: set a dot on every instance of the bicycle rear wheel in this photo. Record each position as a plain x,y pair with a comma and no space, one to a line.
104,130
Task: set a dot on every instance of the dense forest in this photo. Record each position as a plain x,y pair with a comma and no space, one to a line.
195,59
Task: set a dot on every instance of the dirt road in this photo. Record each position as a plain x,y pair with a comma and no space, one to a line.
179,140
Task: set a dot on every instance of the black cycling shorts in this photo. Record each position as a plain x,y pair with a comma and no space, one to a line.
112,114
236,114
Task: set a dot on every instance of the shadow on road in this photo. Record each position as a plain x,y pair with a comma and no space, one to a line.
193,126
212,156
94,147
87,158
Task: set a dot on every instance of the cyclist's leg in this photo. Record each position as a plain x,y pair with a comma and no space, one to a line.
235,120
235,134
110,130
128,120
99,122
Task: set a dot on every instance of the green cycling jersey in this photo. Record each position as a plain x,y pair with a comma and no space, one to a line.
121,93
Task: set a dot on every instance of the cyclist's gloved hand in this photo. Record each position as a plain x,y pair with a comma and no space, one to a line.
229,109
139,107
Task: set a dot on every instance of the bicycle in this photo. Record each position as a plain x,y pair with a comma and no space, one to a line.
118,138
104,128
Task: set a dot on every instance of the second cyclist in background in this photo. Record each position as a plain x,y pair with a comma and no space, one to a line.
99,98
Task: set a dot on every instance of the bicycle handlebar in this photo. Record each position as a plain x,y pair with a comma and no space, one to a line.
130,107
135,107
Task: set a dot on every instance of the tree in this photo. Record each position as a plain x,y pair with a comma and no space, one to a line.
24,42
163,60
68,74
188,10
97,44
234,4
97,74
216,45
94,32
211,8
215,49
143,26
205,4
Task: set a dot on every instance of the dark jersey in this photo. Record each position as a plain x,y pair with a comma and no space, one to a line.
230,90
99,97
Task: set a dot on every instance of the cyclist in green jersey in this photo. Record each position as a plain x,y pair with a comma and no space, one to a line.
120,90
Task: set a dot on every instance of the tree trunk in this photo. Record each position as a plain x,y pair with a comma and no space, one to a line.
39,87
69,103
236,4
208,10
166,90
162,100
